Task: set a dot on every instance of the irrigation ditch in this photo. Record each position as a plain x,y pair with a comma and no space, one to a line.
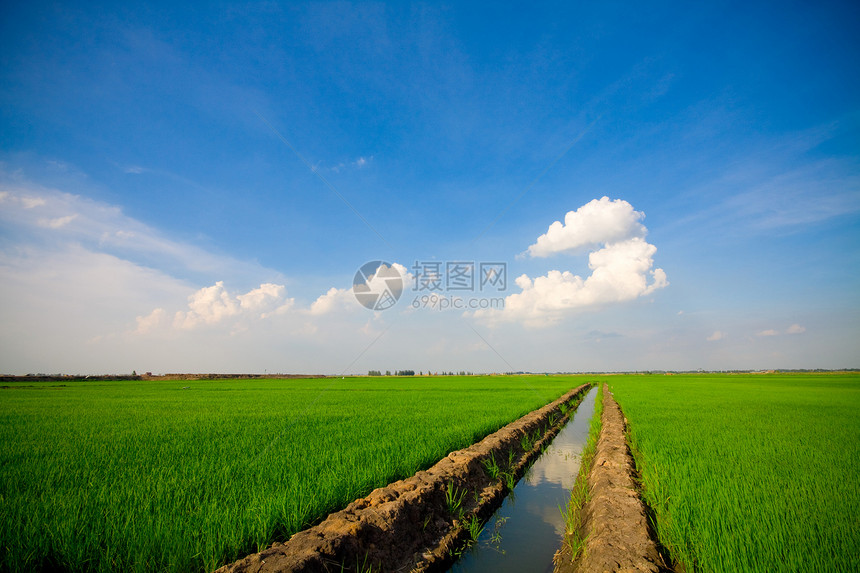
614,531
422,523
524,534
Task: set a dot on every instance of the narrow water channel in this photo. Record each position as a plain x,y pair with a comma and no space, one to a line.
527,529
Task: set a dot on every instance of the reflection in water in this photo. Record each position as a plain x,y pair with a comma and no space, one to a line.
527,529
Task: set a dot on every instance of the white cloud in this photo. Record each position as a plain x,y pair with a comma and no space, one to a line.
793,329
93,287
208,306
261,298
150,322
359,163
72,307
30,209
802,195
57,222
213,304
26,201
344,300
600,221
622,266
336,299
31,202
717,335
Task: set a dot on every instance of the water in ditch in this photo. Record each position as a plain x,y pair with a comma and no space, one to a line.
527,529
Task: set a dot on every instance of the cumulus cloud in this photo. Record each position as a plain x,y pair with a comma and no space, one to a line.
213,304
795,329
261,298
334,300
207,306
150,322
768,332
344,300
620,272
621,262
717,335
600,221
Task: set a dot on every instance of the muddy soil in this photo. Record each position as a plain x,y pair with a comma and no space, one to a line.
614,523
409,525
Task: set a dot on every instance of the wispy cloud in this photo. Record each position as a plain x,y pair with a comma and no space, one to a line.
57,222
793,329
808,194
778,184
359,163
30,209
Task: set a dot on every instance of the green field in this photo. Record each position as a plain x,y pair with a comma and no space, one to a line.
757,472
146,476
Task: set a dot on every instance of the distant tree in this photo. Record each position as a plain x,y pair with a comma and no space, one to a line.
388,372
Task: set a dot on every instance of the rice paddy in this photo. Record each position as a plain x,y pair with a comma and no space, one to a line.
755,472
154,476
746,472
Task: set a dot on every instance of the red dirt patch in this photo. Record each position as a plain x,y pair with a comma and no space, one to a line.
407,525
614,522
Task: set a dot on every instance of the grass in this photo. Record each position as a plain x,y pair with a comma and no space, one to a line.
509,479
579,495
454,500
753,472
490,465
146,476
475,527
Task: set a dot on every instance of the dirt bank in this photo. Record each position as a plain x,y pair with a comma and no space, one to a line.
418,523
614,522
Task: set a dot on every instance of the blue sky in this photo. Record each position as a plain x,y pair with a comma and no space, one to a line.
192,188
